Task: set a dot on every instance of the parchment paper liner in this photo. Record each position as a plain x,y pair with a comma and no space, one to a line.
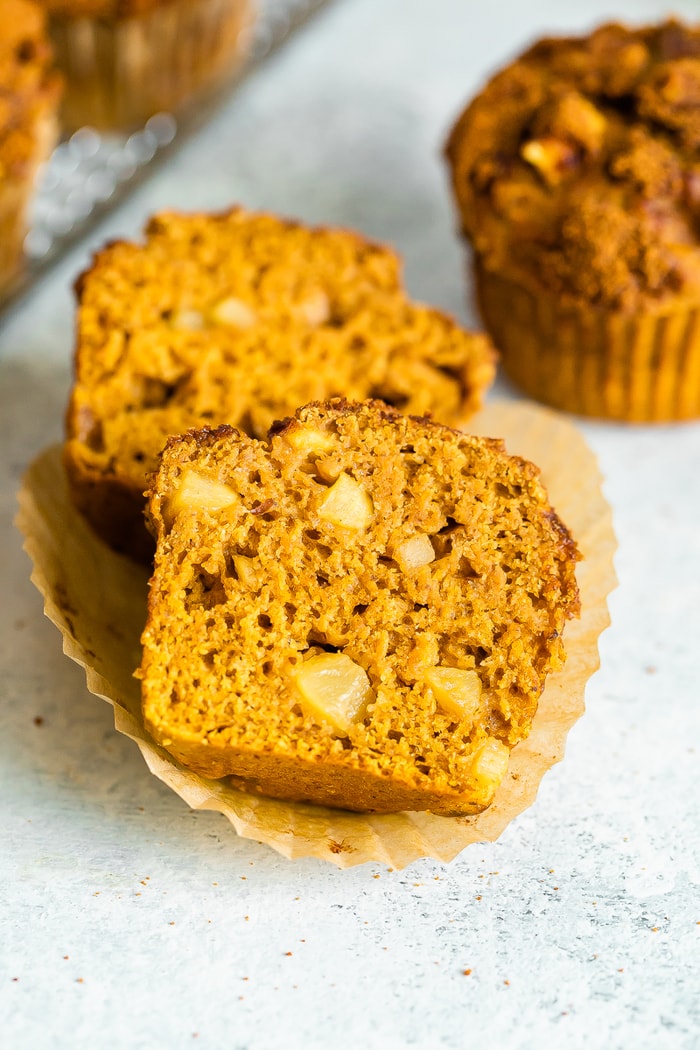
638,367
97,600
119,71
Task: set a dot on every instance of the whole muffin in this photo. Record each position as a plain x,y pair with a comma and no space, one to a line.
125,60
577,177
29,96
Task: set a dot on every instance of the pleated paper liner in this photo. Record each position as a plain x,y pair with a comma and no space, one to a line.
97,599
120,71
639,367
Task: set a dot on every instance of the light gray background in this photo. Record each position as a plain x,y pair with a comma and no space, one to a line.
127,920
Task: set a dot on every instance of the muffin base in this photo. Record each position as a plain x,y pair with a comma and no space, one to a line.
119,73
641,368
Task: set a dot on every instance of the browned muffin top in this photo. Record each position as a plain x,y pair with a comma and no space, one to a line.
577,169
360,610
28,86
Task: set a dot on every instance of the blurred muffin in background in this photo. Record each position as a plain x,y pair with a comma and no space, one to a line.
577,178
29,98
125,60
240,317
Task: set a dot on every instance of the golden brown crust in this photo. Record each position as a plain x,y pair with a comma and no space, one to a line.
240,318
250,587
576,168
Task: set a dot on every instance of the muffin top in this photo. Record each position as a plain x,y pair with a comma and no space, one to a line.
28,85
577,168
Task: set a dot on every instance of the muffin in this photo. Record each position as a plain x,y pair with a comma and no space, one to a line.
576,173
359,610
125,60
29,96
241,318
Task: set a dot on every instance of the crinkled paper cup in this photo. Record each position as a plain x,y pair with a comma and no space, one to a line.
97,599
120,71
632,367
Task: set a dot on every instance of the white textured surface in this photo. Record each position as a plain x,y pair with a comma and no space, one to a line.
126,920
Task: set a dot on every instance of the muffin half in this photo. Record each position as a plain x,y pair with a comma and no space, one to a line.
359,611
240,318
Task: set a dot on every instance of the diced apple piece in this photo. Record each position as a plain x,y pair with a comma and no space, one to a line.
234,312
414,552
196,493
332,689
550,156
308,439
315,309
458,692
346,503
489,766
246,571
328,468
187,320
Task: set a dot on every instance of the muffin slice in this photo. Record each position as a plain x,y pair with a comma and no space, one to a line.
359,611
241,318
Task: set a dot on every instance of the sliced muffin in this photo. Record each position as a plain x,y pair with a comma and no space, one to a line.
359,611
241,318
